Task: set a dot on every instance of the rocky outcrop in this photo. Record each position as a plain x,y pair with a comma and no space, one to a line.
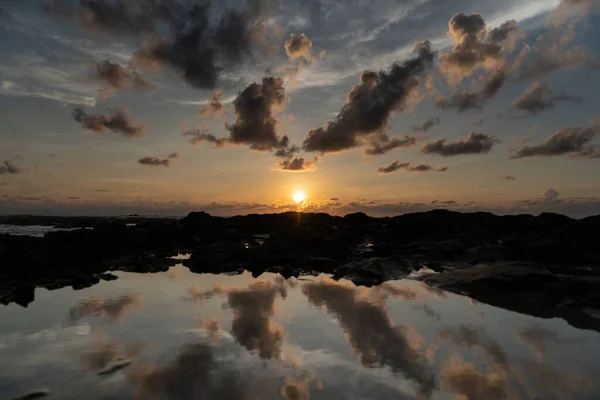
564,252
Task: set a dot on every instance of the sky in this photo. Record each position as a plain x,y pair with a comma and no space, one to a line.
155,107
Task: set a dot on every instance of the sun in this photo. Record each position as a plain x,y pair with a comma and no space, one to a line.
299,197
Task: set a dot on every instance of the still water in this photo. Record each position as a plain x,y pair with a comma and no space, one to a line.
179,335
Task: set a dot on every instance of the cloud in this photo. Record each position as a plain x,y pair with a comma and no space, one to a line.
395,166
155,161
384,144
334,199
564,141
538,97
173,155
73,198
198,50
299,46
198,45
14,89
551,195
201,135
214,107
591,151
298,164
509,178
475,143
117,76
255,124
369,106
552,53
9,167
120,122
427,125
370,332
474,45
463,100
100,190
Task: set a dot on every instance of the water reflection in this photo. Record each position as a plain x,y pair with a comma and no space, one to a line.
311,338
115,309
369,330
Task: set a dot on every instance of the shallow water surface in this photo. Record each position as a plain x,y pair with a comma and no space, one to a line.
179,335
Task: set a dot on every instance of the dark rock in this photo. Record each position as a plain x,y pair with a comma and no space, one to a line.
527,288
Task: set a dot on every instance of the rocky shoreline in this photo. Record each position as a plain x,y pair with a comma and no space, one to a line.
546,266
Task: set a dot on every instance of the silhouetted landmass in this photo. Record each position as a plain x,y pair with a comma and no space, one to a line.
545,266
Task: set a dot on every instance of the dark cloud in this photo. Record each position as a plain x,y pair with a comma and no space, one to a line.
427,125
287,152
255,125
202,135
99,190
383,144
198,50
112,73
155,161
395,166
509,178
173,155
9,167
564,141
254,107
114,309
214,107
52,155
299,46
334,199
364,117
120,122
538,97
475,143
73,198
297,164
370,332
198,45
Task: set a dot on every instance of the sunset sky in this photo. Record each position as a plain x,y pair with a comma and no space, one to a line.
383,106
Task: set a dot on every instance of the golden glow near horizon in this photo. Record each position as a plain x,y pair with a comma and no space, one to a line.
299,197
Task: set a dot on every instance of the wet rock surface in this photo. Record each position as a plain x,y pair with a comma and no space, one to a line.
547,265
